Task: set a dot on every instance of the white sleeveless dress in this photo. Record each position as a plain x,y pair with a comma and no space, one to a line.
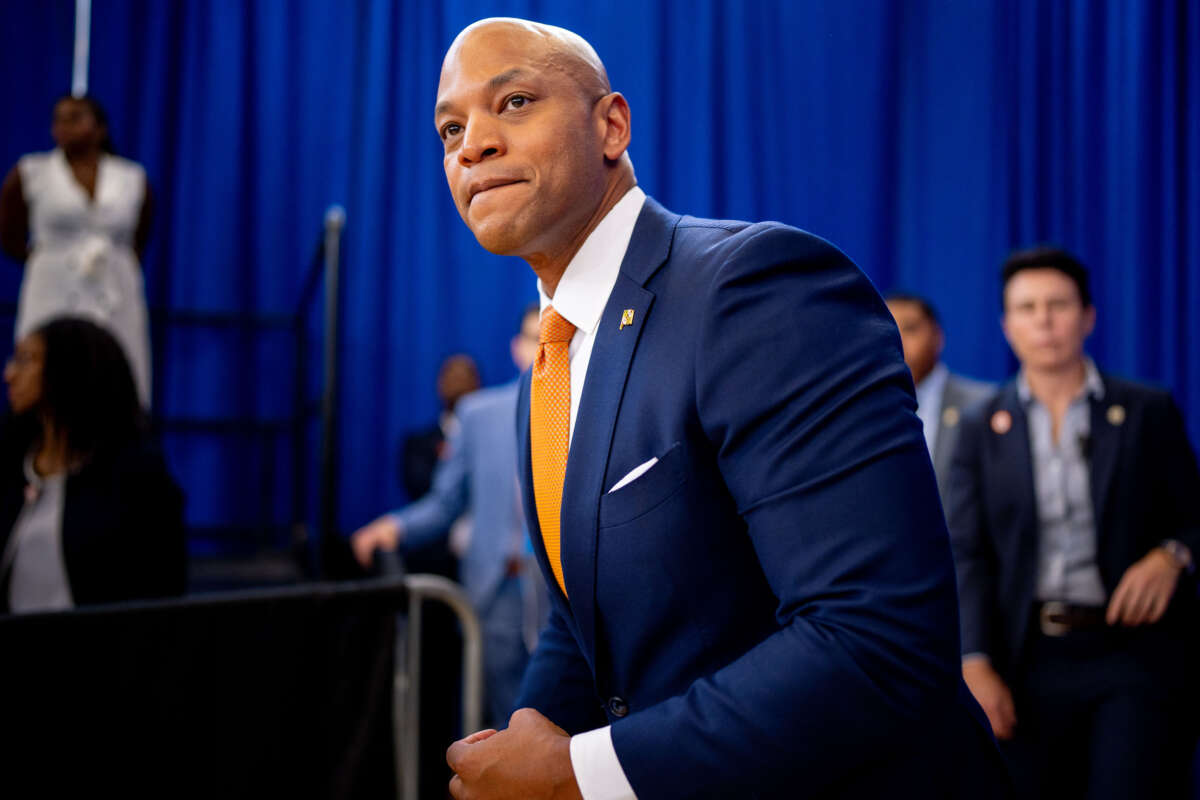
82,262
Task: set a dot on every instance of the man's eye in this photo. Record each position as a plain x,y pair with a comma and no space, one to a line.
516,101
451,129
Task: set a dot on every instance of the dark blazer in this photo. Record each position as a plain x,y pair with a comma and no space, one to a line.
122,525
419,456
1144,486
770,609
959,397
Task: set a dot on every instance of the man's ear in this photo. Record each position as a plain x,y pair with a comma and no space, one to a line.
1089,320
613,113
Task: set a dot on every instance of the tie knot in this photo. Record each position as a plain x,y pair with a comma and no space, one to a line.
554,327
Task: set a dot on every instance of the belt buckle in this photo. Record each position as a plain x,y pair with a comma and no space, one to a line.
1048,626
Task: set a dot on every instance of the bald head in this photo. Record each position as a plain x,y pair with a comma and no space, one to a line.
534,140
549,46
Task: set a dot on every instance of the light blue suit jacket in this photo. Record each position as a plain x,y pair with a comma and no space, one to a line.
477,475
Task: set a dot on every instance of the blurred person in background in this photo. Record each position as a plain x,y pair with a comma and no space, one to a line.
1072,511
942,396
88,511
420,454
421,450
479,475
78,218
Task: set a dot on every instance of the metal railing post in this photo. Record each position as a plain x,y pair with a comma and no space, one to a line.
335,220
407,715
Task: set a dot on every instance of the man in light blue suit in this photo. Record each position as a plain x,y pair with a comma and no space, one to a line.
751,585
478,475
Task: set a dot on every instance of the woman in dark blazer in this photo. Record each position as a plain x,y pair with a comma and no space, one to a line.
88,512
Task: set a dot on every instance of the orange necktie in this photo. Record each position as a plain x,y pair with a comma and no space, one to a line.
550,429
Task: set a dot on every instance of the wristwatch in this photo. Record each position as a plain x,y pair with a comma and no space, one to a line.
1180,553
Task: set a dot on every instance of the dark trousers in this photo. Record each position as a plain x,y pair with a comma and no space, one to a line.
1102,714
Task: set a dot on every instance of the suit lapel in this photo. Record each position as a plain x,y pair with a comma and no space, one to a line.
617,336
587,463
1105,447
943,447
1014,452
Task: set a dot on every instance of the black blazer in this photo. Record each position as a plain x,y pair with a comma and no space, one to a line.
122,525
419,456
1145,488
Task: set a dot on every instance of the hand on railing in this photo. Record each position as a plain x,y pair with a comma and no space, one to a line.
387,563
376,547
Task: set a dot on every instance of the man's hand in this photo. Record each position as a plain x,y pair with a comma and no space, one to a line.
1145,590
992,693
530,760
383,533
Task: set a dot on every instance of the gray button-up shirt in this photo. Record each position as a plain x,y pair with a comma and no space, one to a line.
1067,569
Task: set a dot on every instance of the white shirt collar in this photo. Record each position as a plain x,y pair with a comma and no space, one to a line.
584,288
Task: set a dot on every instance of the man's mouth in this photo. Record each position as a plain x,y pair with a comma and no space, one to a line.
487,184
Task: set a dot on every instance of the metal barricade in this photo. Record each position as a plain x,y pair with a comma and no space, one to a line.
406,699
163,637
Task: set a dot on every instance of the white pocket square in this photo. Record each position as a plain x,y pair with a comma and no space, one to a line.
634,474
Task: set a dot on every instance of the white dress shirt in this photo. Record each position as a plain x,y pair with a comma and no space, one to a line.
580,297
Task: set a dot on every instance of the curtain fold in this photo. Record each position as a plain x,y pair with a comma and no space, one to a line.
925,138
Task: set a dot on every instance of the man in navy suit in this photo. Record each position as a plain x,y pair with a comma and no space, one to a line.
752,588
1073,514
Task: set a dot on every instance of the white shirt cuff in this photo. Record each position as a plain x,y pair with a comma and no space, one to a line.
597,770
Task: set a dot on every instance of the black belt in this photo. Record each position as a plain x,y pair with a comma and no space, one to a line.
1059,619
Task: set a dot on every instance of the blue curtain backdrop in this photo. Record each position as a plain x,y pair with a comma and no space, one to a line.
925,137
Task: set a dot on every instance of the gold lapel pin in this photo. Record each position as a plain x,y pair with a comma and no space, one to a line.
1116,414
950,417
1002,422
626,318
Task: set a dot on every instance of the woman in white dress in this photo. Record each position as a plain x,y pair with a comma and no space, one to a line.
78,217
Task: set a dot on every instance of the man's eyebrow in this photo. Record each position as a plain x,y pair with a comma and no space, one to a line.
505,77
508,76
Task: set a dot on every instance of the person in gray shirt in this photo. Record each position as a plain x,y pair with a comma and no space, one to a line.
1073,514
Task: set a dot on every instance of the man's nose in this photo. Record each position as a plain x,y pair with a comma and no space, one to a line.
481,141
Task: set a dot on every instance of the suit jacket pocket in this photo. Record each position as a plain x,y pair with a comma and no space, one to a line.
645,492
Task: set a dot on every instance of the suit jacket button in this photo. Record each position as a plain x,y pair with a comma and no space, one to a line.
617,707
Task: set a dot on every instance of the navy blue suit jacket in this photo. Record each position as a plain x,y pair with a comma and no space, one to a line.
770,609
1144,487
